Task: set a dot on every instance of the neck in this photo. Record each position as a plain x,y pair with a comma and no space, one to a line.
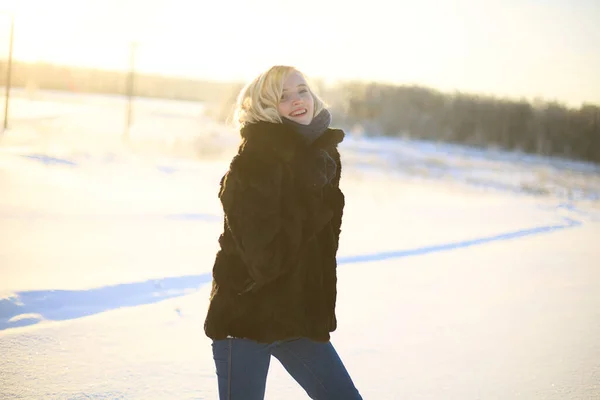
314,130
283,140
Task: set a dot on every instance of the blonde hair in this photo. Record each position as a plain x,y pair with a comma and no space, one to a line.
258,100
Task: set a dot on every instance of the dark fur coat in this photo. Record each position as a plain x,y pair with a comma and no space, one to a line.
274,276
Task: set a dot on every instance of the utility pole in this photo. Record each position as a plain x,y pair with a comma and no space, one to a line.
130,89
9,71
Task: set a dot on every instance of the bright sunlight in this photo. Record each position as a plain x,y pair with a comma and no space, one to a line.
507,48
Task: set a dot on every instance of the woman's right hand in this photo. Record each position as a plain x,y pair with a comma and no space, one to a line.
317,169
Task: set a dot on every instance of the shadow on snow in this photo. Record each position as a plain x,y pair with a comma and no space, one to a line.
29,307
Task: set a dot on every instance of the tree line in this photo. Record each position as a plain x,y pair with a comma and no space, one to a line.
546,128
48,76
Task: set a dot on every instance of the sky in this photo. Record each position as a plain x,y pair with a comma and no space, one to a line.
514,48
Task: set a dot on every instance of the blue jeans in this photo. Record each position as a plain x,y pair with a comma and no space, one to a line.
242,367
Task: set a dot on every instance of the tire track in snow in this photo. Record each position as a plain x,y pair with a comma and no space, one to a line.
567,223
31,307
381,256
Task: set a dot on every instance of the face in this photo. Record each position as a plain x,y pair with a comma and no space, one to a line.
296,102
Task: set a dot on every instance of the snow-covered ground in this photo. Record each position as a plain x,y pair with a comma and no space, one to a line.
456,279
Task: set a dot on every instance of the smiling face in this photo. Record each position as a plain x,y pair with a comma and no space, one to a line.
296,103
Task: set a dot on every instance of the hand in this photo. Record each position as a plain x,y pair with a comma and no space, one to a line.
249,286
317,169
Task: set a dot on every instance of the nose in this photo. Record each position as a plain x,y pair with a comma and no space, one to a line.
296,99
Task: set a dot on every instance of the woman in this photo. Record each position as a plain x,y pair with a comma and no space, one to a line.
274,277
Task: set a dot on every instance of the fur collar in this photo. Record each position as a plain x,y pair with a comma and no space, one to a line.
283,139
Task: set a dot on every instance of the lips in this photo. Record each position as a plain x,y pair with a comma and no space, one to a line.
298,113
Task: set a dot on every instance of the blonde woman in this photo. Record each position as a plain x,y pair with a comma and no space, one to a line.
274,278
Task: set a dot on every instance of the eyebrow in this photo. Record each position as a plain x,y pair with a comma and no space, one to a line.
300,85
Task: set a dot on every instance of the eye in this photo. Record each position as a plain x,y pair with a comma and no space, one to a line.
303,90
283,97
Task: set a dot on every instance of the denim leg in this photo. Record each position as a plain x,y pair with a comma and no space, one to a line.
242,366
317,368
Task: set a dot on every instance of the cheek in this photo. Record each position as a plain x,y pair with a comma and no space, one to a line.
281,108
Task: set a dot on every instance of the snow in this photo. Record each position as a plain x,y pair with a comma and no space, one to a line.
448,288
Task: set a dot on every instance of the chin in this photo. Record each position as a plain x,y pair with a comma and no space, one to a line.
303,121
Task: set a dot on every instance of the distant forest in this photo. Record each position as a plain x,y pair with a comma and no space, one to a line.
47,76
546,128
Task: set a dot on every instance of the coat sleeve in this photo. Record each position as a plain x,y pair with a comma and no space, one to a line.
267,238
335,199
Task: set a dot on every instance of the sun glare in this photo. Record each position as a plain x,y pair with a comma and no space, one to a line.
548,51
82,33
